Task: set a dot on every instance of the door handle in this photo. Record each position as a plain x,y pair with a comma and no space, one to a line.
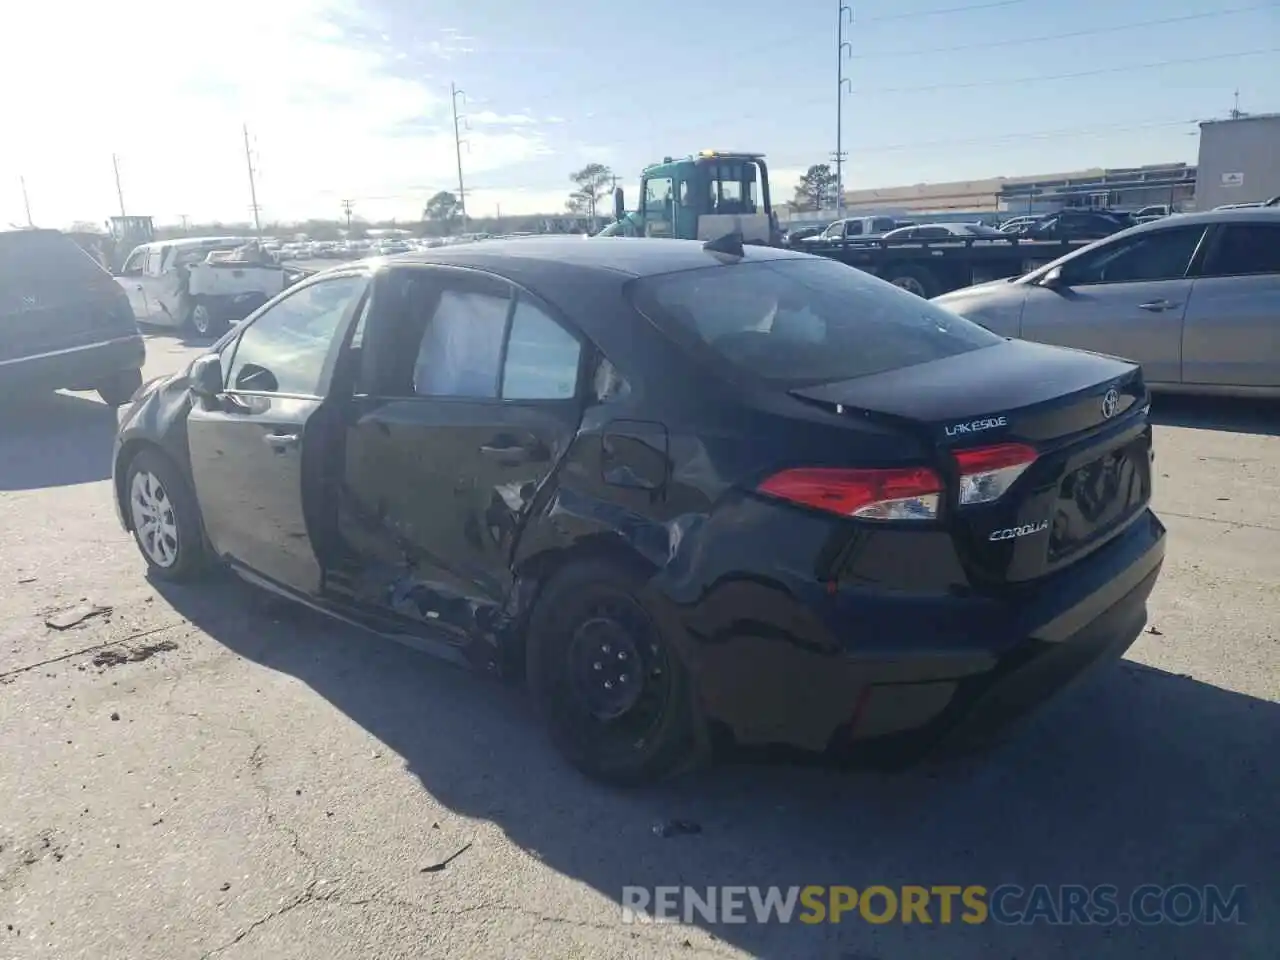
281,441
1157,305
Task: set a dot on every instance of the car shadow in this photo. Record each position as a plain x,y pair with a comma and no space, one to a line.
54,440
1138,776
1227,414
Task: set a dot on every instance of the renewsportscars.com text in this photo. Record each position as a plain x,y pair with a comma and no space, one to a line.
1009,904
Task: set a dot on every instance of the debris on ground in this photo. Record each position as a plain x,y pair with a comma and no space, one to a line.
437,867
676,828
115,716
72,616
1154,632
28,580
115,656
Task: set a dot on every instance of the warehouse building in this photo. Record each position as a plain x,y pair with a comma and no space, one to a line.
1239,160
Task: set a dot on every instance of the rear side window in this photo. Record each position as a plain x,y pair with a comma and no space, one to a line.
1245,249
38,259
797,322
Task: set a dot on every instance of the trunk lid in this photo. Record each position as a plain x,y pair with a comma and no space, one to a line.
1083,413
54,296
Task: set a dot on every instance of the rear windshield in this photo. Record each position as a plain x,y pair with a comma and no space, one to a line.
803,321
38,259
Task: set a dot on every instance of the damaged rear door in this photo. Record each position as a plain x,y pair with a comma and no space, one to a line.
476,398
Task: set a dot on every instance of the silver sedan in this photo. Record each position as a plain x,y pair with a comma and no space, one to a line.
1194,298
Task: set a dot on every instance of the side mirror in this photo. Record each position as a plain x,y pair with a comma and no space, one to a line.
619,204
206,377
1053,280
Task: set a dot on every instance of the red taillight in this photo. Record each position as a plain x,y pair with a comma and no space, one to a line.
899,494
987,472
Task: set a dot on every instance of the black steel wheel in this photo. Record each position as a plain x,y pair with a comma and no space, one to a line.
607,681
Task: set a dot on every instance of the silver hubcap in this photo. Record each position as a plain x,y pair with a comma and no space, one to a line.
200,319
910,284
153,519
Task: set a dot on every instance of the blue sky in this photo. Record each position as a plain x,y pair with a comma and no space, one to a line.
350,100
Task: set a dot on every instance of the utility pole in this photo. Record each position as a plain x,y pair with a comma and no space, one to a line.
26,201
1235,109
455,93
843,49
346,209
115,163
184,218
253,189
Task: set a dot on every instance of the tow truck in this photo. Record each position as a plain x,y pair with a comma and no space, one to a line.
715,193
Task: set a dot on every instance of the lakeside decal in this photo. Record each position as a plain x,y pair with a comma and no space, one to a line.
977,426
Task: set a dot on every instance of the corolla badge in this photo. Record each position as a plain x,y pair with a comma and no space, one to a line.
1110,404
977,426
1026,530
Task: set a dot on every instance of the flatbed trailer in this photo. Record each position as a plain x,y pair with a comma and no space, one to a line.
930,268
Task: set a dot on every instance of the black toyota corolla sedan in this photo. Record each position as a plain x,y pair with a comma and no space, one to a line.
693,493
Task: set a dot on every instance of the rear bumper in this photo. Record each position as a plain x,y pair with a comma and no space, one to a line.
891,678
80,367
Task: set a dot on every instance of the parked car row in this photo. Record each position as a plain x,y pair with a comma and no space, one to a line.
1194,298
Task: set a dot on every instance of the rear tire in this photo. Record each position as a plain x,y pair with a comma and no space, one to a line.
913,279
120,389
164,517
606,680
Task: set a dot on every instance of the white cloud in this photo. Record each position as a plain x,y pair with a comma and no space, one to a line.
168,94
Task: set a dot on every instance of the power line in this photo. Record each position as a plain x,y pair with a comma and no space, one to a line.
1041,78
346,210
1046,37
1010,81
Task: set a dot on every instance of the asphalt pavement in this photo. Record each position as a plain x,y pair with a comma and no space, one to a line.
207,772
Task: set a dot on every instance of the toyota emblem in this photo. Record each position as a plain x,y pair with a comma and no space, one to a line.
1110,404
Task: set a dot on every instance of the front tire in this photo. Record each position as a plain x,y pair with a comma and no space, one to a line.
164,517
204,322
120,389
606,680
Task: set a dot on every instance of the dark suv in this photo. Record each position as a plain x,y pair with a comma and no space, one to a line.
64,322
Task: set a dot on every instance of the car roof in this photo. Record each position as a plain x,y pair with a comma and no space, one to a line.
629,256
1243,215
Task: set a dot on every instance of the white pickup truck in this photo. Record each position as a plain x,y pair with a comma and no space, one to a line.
204,283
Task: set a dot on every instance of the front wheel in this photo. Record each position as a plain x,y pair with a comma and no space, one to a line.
165,517
606,680
204,322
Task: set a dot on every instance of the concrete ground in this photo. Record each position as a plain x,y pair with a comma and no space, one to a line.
201,773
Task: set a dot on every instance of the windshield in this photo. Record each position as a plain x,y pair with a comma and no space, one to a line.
802,321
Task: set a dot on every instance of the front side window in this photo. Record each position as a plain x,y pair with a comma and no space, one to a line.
802,322
1245,249
1157,255
657,195
134,265
284,350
